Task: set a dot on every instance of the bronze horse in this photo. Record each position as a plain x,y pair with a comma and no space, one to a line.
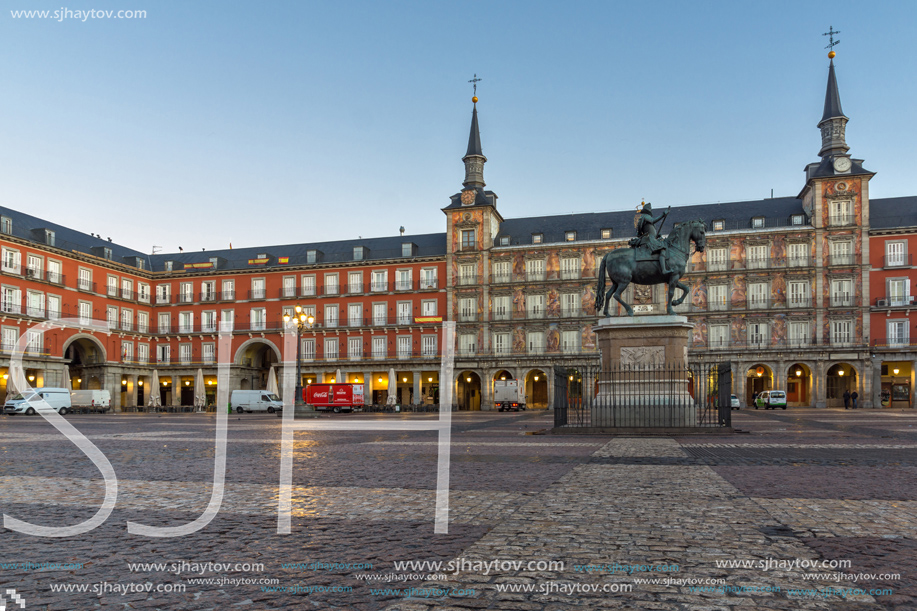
623,268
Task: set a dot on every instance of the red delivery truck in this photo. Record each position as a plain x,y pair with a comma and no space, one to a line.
336,397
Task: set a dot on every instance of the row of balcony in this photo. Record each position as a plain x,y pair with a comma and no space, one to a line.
294,292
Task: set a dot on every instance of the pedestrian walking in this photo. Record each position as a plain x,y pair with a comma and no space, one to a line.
847,399
854,396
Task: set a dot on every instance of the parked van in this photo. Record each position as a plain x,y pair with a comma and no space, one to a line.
95,400
255,401
57,398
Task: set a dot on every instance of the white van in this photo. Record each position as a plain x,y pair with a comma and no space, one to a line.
95,400
255,401
57,398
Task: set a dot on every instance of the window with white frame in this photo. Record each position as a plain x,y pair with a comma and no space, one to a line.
112,317
33,265
127,352
717,259
717,297
186,322
143,292
467,309
897,332
112,286
799,294
405,316
258,288
467,274
467,344
355,283
10,338
227,321
534,306
354,314
380,346
841,293
898,291
35,304
165,324
895,253
841,332
502,305
840,252
208,352
758,294
84,282
757,222
127,319
535,342
404,280
840,212
228,290
12,261
502,343
143,353
127,288
331,316
404,347
209,321
606,234
379,281
756,256
537,238
534,269
308,286
355,348
331,284
184,354
569,236
6,225
570,342
308,348
570,268
163,353
54,307
33,342
570,304
186,292
501,271
10,300
54,272
163,293
143,322
258,319
380,314
718,336
428,345
757,334
86,313
331,349
428,307
428,278
798,254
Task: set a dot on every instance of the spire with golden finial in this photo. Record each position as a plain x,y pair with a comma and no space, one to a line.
474,158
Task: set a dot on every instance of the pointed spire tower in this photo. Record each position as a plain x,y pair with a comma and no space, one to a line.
833,123
474,158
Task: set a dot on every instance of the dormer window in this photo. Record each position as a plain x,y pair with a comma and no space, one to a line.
719,225
407,249
798,219
261,256
49,237
106,252
311,256
606,234
569,236
537,238
757,222
357,253
504,240
168,266
6,225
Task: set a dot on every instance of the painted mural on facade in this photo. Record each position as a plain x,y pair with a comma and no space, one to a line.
778,329
552,338
737,293
518,340
737,253
552,304
699,333
778,289
699,294
587,338
778,250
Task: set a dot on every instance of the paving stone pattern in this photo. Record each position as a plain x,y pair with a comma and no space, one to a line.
803,486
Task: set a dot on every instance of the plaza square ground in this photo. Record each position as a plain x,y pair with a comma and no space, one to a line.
802,509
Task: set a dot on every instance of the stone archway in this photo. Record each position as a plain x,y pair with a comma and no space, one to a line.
468,391
799,385
255,357
536,389
758,378
841,377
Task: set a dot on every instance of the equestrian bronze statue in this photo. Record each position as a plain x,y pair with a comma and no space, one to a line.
650,260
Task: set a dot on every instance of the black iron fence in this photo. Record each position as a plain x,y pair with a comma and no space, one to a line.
651,397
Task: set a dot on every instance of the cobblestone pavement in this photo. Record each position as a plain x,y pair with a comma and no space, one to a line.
802,509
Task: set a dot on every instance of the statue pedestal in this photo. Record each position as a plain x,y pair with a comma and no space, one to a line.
644,380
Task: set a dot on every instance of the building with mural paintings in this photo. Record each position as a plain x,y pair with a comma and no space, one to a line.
787,289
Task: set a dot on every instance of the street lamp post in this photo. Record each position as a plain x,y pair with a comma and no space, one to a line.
303,322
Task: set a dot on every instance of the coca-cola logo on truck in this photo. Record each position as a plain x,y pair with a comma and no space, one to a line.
320,394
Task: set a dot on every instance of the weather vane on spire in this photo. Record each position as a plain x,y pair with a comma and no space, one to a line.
830,34
475,82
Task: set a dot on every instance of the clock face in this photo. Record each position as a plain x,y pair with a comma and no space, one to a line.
468,197
841,164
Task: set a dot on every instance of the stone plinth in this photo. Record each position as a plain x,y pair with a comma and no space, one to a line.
644,380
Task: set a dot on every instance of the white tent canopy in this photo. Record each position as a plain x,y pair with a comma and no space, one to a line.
392,388
200,391
155,401
272,382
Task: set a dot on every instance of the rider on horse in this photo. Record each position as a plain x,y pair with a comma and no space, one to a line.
648,235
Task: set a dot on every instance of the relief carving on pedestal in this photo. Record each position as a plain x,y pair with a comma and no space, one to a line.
642,356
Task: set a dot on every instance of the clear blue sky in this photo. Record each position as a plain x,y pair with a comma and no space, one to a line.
283,122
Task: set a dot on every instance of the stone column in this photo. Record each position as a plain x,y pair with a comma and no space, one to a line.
820,384
417,375
131,391
866,388
368,387
550,374
176,391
